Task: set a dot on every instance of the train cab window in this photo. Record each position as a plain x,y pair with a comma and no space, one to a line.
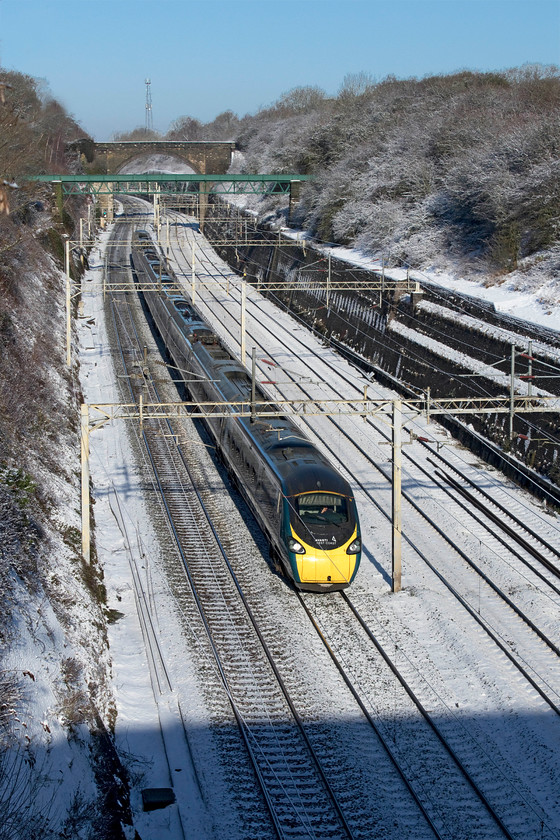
322,508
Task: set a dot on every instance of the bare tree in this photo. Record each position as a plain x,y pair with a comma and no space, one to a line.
185,128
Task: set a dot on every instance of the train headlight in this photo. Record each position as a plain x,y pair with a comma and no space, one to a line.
295,546
355,546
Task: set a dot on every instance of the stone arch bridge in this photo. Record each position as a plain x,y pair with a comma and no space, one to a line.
203,157
209,160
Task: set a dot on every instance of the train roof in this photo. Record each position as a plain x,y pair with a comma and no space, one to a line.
301,467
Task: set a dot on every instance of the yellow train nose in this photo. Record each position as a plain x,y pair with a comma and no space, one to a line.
326,567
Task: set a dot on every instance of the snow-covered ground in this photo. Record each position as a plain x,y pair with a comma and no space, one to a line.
469,674
147,730
154,163
536,302
151,725
515,294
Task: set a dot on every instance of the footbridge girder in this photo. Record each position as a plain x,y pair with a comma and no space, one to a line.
107,186
171,183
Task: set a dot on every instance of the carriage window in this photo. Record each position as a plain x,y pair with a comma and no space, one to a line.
322,508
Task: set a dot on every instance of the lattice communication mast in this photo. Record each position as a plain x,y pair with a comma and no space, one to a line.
149,117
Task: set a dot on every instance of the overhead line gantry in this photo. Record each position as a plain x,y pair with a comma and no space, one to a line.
389,410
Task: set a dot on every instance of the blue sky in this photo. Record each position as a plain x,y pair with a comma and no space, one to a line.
206,56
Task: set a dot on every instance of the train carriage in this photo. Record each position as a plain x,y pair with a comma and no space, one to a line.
304,506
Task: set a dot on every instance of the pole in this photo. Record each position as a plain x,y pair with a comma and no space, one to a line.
328,279
85,483
530,369
68,303
511,391
243,308
253,383
156,215
397,478
193,274
167,225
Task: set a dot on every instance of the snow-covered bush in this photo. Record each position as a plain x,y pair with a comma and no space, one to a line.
53,643
462,168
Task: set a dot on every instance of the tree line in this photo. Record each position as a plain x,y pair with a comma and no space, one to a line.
34,131
460,168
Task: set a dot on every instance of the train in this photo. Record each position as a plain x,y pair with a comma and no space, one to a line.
303,505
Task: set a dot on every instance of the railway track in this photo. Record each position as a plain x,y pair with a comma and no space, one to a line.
536,817
502,829
439,758
543,550
508,533
236,654
294,787
505,320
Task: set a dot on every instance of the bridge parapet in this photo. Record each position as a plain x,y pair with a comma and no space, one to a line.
202,156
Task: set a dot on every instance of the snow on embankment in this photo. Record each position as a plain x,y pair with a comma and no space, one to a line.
56,758
462,360
484,328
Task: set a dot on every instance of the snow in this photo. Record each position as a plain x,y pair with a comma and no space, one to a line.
155,163
484,328
149,731
35,652
462,359
148,728
163,734
536,302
